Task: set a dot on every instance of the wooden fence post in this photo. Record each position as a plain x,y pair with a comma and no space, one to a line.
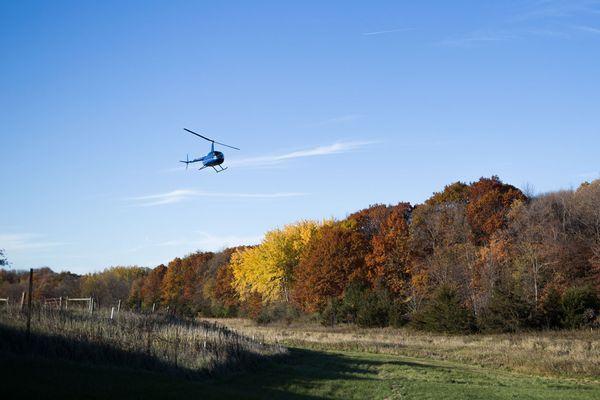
119,306
22,301
112,312
29,303
153,304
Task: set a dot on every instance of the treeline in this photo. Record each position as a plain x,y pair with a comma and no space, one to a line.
474,257
107,287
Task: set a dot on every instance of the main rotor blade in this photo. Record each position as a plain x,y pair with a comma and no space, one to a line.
226,145
209,139
199,135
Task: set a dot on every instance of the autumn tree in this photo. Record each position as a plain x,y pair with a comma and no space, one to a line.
268,269
11,284
492,268
555,237
333,258
451,238
196,276
150,290
488,205
183,283
369,221
441,253
134,299
172,285
217,285
535,244
111,285
440,221
224,290
586,227
388,261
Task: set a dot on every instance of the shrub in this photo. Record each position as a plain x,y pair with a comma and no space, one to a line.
251,307
507,311
353,300
220,310
363,306
444,312
331,313
277,312
375,309
398,314
579,305
550,309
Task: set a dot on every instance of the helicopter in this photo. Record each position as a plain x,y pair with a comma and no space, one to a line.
212,159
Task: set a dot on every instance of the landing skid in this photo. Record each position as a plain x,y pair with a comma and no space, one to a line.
219,170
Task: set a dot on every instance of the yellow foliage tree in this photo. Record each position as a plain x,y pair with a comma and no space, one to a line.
268,269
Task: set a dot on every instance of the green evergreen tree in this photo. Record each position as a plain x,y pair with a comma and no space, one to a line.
444,312
577,302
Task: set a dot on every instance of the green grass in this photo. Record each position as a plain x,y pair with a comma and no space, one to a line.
305,374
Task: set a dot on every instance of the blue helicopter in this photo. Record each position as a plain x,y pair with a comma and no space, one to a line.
212,159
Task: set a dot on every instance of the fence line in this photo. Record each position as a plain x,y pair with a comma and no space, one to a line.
89,300
54,302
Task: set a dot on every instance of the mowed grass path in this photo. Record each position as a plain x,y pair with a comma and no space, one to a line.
305,374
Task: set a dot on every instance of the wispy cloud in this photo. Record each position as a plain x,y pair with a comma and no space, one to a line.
26,242
588,29
547,33
555,9
486,37
335,148
550,19
174,196
342,119
177,196
387,31
475,38
211,242
204,241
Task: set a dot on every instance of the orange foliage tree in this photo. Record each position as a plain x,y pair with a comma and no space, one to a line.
388,262
489,204
150,291
182,288
224,291
334,257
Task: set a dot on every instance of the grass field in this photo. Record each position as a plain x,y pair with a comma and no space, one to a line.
305,374
71,356
573,354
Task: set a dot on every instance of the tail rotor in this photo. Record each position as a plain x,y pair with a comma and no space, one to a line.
187,161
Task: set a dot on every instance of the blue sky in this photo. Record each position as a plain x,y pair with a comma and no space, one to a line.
336,105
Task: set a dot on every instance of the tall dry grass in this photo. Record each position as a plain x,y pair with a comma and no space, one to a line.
151,341
573,354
